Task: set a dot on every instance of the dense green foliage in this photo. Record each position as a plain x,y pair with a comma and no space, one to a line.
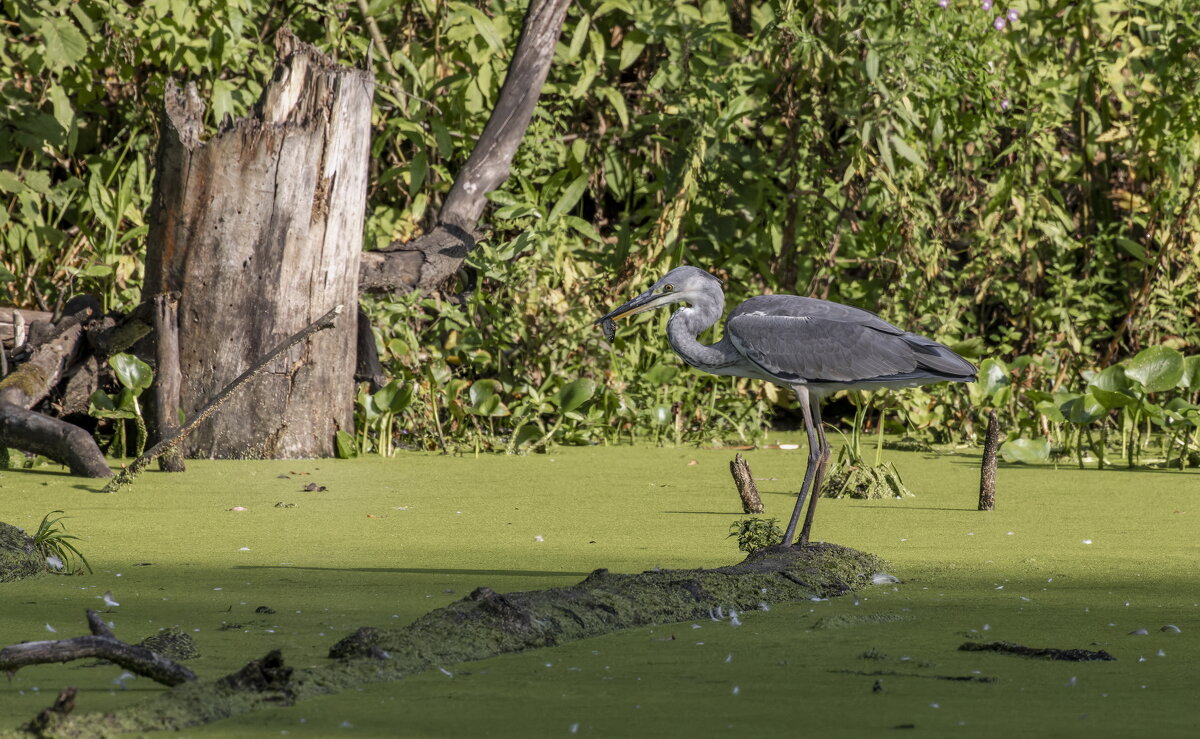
1029,191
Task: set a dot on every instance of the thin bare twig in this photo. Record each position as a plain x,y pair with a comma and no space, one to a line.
127,475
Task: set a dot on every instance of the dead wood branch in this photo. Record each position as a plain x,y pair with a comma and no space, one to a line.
101,644
430,260
128,474
22,428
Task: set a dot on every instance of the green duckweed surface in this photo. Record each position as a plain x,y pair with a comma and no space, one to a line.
1070,559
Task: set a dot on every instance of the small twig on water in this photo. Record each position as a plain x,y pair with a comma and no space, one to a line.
127,475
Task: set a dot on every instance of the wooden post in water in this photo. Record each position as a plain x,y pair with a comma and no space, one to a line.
740,469
987,476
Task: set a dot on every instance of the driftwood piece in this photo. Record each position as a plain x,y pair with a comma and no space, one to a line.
987,474
1067,655
740,469
430,260
22,428
127,475
487,623
257,228
102,644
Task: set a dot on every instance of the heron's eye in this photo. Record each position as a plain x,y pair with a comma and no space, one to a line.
668,288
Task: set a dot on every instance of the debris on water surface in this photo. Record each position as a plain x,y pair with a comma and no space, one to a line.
1069,655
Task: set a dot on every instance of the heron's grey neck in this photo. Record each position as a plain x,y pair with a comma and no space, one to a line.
686,324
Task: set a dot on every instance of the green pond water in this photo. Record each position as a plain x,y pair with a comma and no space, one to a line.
1070,559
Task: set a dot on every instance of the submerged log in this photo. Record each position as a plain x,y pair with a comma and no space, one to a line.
259,229
486,623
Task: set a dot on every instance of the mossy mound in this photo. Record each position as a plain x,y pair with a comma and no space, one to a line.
171,643
864,482
18,557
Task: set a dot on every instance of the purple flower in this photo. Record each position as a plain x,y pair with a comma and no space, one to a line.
999,23
986,4
1013,15
1004,104
943,3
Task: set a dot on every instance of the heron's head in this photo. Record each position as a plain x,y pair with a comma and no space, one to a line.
680,285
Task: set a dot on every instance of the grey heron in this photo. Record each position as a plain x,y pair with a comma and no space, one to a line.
814,347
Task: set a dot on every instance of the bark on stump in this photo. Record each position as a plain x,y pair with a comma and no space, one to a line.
259,231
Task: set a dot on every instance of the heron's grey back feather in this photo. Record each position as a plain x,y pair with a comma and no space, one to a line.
795,339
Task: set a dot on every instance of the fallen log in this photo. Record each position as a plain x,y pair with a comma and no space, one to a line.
21,428
100,643
486,623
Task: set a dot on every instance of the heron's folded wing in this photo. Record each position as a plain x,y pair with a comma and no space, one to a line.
813,349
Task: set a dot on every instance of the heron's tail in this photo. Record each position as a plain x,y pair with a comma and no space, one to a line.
937,359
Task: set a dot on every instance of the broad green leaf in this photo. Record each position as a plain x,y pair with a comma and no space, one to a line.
660,374
9,182
483,390
1050,410
872,65
993,375
631,48
1083,409
393,397
575,394
1191,373
1157,368
344,445
1111,388
615,99
131,372
569,197
1026,451
903,149
65,45
485,27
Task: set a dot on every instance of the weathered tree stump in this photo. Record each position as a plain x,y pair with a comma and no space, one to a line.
259,231
740,469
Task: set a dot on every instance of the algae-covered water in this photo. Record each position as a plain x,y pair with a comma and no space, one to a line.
1070,559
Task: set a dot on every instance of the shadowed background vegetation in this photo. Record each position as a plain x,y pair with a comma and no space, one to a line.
1026,194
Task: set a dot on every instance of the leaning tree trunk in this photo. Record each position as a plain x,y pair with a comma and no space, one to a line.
259,231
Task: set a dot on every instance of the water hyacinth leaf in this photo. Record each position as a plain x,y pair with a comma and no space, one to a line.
344,445
1051,411
1111,388
1083,409
393,397
575,394
1156,368
1026,451
993,375
131,372
1191,373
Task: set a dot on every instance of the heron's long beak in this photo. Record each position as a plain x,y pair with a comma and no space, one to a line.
646,301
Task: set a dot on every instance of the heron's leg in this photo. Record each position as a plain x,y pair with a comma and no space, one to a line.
814,454
819,477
